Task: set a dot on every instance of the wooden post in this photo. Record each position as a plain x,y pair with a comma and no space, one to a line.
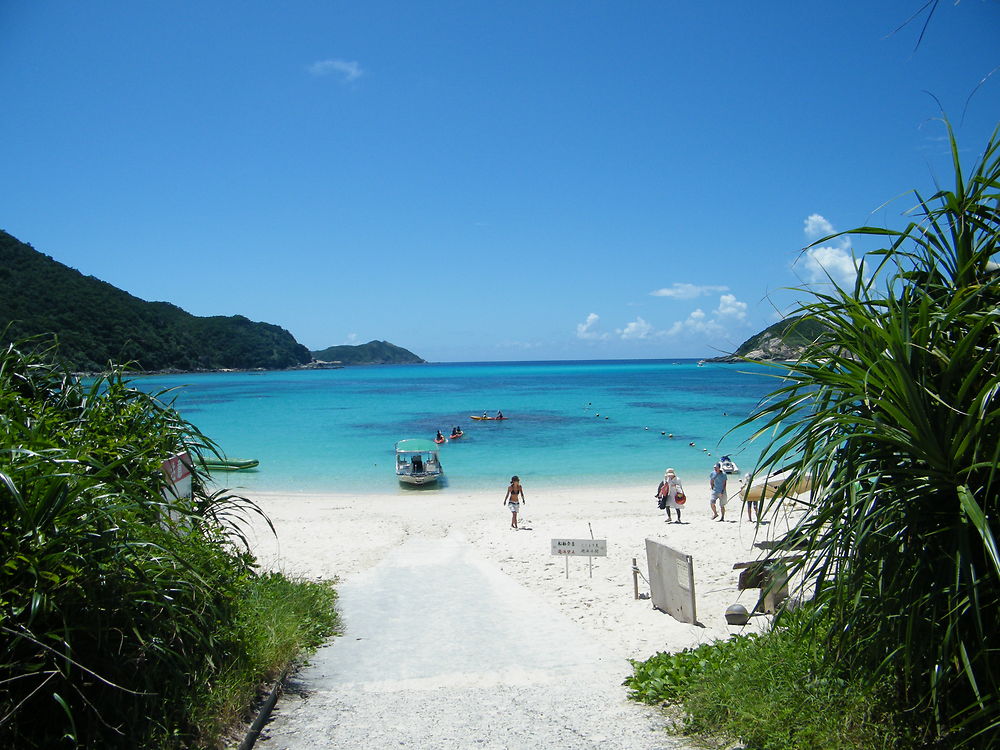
635,578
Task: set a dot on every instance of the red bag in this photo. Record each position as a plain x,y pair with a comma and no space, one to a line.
680,498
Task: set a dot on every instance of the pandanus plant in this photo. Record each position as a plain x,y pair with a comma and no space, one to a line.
893,414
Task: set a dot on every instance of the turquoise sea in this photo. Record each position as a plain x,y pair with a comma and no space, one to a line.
570,423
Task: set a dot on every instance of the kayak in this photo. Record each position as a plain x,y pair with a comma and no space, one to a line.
489,419
229,464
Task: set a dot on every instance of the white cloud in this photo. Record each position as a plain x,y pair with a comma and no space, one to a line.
821,264
826,263
730,307
637,329
696,323
586,330
816,226
687,291
352,339
349,70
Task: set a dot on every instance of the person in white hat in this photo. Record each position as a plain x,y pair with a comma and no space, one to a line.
672,491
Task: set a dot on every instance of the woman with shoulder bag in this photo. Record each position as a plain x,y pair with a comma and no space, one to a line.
673,493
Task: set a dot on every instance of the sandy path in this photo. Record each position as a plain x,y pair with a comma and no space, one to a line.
460,632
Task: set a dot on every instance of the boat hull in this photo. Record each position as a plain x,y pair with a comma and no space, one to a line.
419,479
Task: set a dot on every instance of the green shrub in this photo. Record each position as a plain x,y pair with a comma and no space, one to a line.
126,619
770,692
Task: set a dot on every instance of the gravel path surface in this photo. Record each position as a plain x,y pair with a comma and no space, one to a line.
443,650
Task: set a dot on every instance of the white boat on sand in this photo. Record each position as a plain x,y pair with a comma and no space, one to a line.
728,465
417,461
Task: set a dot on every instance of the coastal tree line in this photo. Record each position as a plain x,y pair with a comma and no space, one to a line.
94,324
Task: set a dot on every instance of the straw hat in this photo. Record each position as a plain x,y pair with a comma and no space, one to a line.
669,473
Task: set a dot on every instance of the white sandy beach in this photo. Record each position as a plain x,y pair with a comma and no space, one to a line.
326,536
354,538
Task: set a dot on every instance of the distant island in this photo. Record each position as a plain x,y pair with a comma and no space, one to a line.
95,323
372,353
785,340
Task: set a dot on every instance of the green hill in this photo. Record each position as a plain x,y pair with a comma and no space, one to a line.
784,340
372,353
95,322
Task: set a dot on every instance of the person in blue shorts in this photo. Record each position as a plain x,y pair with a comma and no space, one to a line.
717,484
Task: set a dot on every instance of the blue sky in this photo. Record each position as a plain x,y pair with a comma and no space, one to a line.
480,181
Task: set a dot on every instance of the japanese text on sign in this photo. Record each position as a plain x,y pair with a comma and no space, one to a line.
581,547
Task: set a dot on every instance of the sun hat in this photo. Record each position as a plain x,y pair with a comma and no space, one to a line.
670,472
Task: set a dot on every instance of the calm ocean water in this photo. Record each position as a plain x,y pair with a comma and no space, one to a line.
570,423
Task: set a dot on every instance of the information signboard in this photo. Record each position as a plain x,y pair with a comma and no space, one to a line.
589,548
580,547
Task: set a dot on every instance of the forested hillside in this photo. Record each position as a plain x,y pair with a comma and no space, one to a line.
372,353
96,323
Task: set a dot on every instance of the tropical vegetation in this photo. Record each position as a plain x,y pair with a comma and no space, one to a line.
892,416
771,692
131,615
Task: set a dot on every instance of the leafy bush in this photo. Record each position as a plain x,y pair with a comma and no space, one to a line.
770,692
668,677
121,605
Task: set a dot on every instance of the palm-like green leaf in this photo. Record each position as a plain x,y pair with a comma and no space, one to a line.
115,597
894,414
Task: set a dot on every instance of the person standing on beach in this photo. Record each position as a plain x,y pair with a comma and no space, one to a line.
717,484
513,499
668,490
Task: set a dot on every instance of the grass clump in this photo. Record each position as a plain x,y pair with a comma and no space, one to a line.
277,619
770,692
129,617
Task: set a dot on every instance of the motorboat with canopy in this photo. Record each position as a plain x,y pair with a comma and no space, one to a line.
417,461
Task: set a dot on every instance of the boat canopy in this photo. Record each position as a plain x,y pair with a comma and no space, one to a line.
416,445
